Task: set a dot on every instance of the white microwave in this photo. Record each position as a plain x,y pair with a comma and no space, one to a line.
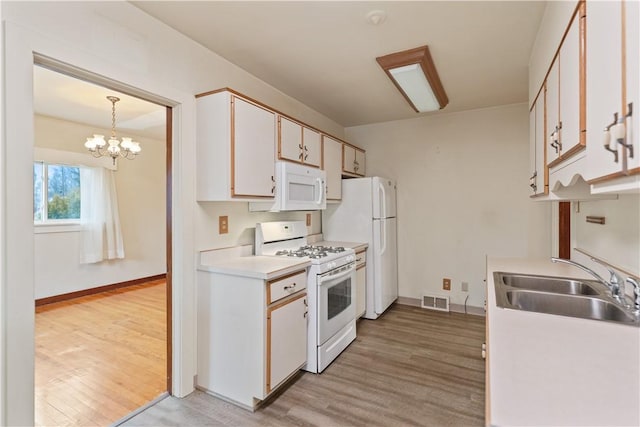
298,188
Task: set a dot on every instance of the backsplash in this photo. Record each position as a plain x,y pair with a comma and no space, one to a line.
618,239
242,223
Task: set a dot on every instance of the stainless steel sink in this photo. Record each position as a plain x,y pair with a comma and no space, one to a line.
557,285
568,305
562,296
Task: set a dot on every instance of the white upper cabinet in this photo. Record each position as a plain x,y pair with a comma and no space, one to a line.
298,143
553,113
253,140
332,164
537,143
353,160
613,92
604,87
235,148
632,28
312,143
572,124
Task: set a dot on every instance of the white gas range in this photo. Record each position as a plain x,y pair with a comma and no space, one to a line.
331,286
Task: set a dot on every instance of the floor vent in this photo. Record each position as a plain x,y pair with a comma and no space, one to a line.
435,302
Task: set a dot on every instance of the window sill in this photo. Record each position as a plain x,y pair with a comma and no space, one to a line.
56,228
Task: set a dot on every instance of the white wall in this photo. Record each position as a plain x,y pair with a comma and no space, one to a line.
132,51
141,187
617,241
462,195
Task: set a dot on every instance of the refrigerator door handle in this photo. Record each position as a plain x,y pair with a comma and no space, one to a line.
383,237
383,201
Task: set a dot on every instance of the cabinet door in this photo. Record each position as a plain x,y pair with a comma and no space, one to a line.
312,147
286,340
604,83
360,164
542,172
632,28
332,162
348,159
361,290
253,142
289,140
570,131
553,111
532,149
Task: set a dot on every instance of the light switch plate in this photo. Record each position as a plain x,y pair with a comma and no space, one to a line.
446,284
223,224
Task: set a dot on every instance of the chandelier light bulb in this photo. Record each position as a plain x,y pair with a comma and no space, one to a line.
99,140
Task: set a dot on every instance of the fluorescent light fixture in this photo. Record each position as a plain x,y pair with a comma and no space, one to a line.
414,74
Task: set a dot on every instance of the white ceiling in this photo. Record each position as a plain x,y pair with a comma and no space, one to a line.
60,96
323,53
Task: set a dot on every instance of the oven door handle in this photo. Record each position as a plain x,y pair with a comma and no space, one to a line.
337,276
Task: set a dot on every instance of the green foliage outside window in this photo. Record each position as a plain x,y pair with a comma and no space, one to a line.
62,192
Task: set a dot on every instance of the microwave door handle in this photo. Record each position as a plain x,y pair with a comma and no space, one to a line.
321,192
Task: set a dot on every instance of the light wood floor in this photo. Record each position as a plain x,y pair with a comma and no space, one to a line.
410,367
100,357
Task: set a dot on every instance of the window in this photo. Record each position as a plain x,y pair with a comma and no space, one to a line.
56,193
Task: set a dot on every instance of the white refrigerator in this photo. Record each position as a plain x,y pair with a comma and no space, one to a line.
367,213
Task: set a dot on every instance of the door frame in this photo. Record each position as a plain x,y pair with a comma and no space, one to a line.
82,75
24,47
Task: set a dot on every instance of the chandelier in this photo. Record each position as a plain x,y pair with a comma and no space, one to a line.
97,146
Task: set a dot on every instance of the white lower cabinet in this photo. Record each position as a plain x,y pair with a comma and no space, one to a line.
252,334
287,339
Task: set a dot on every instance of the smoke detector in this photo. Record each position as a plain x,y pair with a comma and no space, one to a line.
376,17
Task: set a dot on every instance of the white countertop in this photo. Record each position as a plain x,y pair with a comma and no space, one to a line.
555,370
258,267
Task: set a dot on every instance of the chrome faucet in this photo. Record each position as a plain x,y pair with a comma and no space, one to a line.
636,293
617,289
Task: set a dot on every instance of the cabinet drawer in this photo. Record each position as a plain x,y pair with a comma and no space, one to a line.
361,259
283,287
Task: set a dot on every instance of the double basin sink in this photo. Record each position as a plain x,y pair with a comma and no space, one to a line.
585,299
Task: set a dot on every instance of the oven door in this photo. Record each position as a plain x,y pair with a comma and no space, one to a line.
336,300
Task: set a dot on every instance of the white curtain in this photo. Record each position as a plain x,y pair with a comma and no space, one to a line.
101,233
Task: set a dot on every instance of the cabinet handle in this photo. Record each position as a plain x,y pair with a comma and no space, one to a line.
300,156
305,148
286,288
621,134
305,314
300,146
305,303
608,130
305,156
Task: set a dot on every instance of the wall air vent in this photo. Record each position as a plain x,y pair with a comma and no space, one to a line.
435,302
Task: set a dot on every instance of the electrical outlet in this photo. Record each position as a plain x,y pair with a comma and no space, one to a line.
465,286
223,224
446,284
308,220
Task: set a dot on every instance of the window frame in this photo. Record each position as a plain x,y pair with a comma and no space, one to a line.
47,225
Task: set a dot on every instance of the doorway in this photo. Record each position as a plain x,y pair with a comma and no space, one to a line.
146,227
